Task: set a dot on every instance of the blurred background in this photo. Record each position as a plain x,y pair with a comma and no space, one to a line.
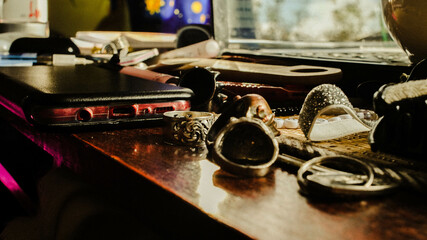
66,17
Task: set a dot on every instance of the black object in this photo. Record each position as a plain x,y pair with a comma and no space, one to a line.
42,46
209,94
86,95
203,83
419,71
191,34
402,129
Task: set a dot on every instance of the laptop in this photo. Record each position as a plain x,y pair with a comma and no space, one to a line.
346,34
86,96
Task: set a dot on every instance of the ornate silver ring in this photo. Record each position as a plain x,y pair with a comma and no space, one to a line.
188,128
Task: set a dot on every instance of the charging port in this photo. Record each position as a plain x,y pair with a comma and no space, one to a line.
84,114
125,111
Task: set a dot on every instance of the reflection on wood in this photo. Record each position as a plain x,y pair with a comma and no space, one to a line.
180,191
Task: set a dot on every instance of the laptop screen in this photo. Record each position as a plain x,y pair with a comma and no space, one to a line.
292,26
168,15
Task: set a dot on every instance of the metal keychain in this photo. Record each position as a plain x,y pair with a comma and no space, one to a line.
351,185
318,180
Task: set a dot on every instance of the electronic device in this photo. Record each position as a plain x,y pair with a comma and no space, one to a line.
86,95
349,35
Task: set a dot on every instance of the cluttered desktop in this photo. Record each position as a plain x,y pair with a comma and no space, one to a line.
242,119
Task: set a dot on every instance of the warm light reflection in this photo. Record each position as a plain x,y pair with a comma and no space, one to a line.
210,197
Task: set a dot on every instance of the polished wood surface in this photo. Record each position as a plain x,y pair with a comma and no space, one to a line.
263,208
167,182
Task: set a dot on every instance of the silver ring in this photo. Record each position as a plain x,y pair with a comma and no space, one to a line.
245,146
188,128
326,98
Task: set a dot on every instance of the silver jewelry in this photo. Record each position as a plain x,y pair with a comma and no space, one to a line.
246,147
187,128
342,183
325,98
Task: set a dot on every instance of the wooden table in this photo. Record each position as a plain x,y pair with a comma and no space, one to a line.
182,194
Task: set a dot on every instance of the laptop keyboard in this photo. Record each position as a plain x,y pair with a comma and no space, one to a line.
392,58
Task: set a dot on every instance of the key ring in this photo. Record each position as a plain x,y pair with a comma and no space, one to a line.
339,184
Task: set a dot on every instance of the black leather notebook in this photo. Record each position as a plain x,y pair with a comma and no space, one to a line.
86,95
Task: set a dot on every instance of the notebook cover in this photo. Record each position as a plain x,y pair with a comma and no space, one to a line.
86,95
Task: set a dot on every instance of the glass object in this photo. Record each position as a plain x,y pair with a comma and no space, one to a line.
407,23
